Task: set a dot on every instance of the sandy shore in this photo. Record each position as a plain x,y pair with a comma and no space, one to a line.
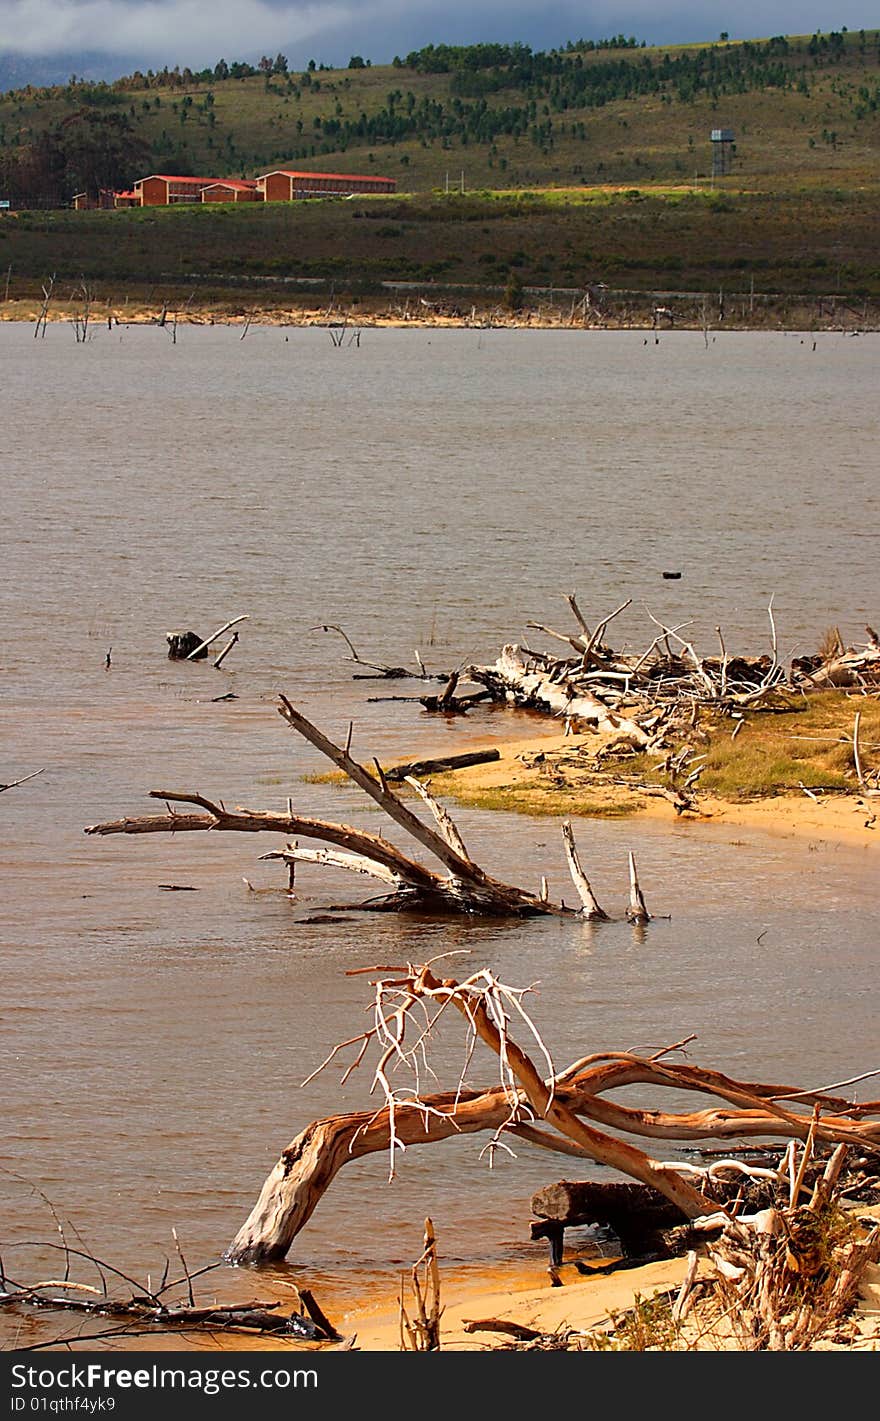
521,781
453,314
582,1304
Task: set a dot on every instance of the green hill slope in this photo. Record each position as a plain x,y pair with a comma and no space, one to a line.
804,111
584,166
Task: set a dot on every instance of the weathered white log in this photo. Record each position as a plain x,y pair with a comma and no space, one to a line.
443,819
333,858
856,758
849,668
636,912
591,909
517,680
219,660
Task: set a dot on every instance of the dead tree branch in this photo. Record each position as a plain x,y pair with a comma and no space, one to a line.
564,1104
24,779
464,887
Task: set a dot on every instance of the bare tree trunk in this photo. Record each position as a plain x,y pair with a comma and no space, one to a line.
312,1160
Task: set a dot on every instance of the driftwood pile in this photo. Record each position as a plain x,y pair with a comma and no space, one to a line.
782,1270
639,699
650,700
149,1309
636,695
785,1275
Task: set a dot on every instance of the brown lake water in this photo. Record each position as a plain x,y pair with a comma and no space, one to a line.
423,489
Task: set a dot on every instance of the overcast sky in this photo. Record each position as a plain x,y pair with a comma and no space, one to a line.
199,32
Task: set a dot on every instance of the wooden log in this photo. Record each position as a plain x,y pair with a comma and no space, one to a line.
514,677
643,1220
571,1202
185,646
456,705
636,912
440,765
502,1324
591,909
444,821
218,661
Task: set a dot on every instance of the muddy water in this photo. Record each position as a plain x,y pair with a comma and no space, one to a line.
430,490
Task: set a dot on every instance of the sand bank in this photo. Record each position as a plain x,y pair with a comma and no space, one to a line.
519,781
582,1304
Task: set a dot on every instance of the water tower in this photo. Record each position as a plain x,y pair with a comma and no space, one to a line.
722,151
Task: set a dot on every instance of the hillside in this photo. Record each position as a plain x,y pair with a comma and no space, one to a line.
514,169
803,109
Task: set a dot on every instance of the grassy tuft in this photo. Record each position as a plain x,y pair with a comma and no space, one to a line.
809,746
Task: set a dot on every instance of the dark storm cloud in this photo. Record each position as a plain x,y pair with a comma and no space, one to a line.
198,32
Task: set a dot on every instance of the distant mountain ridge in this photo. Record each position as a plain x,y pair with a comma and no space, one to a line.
45,71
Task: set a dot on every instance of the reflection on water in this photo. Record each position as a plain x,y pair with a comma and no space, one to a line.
430,490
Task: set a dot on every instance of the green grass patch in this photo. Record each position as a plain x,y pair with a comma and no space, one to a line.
539,801
810,746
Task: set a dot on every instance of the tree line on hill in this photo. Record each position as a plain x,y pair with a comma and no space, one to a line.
494,91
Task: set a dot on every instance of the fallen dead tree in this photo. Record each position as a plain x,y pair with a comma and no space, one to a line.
567,1112
464,887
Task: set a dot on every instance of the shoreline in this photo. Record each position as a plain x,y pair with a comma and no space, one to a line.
793,316
511,784
584,1304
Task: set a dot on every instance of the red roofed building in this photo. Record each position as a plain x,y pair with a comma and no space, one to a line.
165,190
281,185
288,184
232,190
